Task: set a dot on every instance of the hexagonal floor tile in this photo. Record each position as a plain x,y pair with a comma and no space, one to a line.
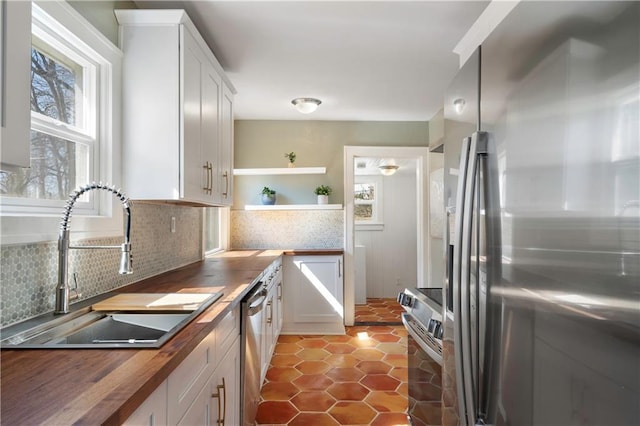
278,391
352,413
313,367
380,382
373,367
312,343
386,419
346,374
391,348
313,354
396,360
342,360
275,412
313,382
400,373
348,391
315,419
313,401
368,354
285,360
282,374
337,338
287,348
385,338
340,348
387,402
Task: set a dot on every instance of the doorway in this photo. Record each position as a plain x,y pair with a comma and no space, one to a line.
368,223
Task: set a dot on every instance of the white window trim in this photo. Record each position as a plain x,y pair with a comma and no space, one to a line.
20,227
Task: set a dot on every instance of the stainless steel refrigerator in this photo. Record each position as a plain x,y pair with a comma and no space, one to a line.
542,188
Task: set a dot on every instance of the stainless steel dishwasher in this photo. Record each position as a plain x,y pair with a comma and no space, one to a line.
252,332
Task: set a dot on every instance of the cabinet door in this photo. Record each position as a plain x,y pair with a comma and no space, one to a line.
316,288
211,93
225,390
225,159
153,410
195,174
268,343
15,84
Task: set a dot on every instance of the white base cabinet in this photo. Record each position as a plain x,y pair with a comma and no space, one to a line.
273,315
314,294
205,388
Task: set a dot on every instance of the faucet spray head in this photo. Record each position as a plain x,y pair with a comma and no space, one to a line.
126,260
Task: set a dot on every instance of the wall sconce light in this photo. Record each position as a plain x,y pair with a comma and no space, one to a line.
459,104
389,169
306,105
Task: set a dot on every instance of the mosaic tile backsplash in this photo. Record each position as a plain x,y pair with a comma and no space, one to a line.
287,229
28,272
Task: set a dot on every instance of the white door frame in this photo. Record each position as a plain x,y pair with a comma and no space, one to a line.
421,155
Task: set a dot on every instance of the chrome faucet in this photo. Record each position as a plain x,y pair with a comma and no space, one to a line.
62,289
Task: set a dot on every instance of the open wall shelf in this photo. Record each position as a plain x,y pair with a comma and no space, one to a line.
294,207
281,171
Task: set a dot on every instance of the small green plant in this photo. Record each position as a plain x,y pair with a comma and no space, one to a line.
291,156
268,191
323,190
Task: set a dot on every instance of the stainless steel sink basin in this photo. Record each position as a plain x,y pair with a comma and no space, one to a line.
85,328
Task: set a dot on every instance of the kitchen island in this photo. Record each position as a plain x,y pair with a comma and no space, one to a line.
105,386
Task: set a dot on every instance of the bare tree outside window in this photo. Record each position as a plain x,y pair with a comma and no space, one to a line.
54,159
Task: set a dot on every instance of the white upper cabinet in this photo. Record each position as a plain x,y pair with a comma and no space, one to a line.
177,111
15,84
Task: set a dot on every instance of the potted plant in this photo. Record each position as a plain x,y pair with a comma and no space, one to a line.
268,196
291,156
323,192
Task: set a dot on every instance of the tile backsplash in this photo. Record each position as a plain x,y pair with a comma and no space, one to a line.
28,272
287,229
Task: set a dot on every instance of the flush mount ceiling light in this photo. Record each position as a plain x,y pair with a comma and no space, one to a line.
459,104
306,105
388,170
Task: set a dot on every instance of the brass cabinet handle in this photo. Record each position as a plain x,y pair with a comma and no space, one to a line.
226,184
224,406
208,167
280,290
221,406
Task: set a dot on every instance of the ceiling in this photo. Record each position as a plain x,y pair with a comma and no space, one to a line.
368,61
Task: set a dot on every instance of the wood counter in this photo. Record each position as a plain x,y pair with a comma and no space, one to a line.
105,386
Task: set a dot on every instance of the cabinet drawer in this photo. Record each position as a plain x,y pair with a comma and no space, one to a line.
226,332
186,381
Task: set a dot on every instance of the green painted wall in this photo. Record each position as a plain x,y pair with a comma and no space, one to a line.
100,14
263,143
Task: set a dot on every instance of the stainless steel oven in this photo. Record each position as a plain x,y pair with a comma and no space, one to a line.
423,321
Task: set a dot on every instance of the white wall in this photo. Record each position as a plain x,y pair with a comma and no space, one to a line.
392,252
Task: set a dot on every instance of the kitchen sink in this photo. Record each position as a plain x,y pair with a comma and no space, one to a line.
85,328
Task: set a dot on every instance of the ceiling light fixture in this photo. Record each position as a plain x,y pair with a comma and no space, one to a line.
306,105
459,104
388,170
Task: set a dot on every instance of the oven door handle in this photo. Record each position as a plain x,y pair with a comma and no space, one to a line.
413,333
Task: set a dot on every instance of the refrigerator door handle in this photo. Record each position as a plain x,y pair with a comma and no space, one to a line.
470,373
457,281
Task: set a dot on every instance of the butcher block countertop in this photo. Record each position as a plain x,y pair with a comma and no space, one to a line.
105,386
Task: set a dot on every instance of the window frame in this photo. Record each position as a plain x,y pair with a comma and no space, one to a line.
377,218
222,225
23,223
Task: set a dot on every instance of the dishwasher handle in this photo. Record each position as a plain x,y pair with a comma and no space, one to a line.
255,302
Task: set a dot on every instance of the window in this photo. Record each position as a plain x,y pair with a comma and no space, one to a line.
367,201
69,127
76,77
212,226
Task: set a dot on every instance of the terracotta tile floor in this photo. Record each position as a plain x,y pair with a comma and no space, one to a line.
352,379
386,311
